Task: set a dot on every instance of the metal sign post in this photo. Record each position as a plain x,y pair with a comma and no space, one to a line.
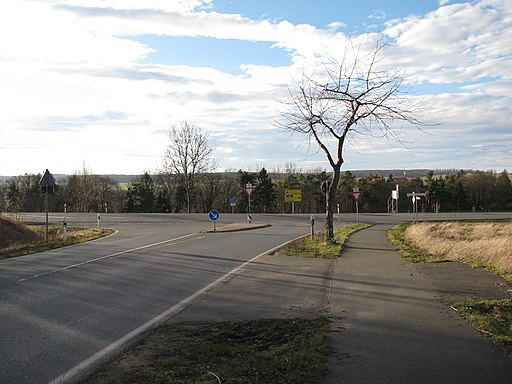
232,202
356,193
414,198
292,196
214,216
47,185
249,189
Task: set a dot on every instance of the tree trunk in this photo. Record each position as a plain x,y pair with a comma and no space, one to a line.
331,202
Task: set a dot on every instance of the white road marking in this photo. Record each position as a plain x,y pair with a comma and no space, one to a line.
86,367
110,256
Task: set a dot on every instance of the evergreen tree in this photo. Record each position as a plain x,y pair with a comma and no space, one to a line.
14,200
265,196
129,205
245,178
503,192
142,194
436,192
344,194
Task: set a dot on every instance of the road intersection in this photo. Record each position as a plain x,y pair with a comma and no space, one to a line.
59,309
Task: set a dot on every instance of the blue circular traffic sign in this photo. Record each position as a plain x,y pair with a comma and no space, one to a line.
214,215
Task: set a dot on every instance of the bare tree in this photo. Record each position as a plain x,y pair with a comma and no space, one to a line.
188,156
81,191
353,96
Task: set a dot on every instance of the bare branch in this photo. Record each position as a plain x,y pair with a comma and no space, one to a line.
188,155
353,96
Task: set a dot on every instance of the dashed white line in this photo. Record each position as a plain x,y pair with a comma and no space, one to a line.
83,369
110,256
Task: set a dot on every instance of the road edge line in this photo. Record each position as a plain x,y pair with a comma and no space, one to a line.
85,368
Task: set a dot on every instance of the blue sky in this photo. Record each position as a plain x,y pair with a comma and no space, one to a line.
100,82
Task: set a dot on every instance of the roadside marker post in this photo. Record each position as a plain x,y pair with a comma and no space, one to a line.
65,230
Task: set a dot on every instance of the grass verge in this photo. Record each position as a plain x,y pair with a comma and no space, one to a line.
260,351
76,235
485,245
407,250
317,247
492,317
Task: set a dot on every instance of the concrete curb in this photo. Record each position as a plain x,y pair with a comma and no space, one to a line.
236,227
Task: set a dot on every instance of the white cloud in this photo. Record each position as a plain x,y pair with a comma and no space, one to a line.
459,42
336,25
75,86
378,15
492,88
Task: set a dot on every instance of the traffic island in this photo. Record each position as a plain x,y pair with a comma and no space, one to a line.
235,227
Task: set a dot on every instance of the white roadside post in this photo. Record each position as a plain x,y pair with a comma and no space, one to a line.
65,229
397,197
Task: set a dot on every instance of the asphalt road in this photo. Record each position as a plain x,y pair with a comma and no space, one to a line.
59,308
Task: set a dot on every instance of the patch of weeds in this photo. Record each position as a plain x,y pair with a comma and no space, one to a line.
407,250
261,351
318,247
76,235
492,317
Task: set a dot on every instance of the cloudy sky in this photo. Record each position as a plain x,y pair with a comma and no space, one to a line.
100,82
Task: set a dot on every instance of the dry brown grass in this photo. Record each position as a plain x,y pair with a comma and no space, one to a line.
487,243
12,233
17,239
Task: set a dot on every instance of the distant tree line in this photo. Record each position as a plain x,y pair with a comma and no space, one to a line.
165,192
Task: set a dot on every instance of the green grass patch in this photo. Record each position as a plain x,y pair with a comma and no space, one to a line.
261,351
492,317
318,247
407,250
